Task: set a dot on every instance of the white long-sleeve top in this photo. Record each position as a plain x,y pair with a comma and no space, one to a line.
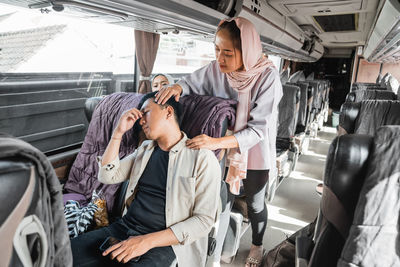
259,138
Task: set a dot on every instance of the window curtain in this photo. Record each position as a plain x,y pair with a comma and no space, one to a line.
146,52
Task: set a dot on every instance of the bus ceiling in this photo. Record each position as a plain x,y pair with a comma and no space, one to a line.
296,30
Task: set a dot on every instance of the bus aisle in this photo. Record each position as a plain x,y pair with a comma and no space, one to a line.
296,202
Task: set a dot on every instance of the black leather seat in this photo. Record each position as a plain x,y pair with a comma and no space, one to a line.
351,213
286,150
367,116
344,176
288,108
302,112
360,95
90,105
32,224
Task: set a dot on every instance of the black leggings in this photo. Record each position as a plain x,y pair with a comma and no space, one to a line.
254,189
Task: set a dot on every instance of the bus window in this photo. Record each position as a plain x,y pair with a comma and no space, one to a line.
182,54
50,64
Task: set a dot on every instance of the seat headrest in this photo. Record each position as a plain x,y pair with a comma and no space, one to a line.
310,91
376,113
284,77
366,86
360,95
90,105
348,115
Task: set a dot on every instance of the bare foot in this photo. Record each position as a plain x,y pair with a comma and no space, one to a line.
255,256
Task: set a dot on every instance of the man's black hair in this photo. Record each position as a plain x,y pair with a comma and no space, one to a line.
171,102
137,128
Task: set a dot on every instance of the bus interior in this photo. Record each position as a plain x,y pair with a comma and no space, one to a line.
63,61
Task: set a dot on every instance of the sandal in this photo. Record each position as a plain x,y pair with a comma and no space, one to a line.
258,263
251,260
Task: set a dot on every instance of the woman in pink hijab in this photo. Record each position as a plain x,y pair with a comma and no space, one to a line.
241,72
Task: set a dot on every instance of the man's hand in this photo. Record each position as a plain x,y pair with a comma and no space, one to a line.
166,93
128,249
127,120
203,141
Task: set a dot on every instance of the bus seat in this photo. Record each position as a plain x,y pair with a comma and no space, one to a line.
32,222
288,107
310,99
344,176
358,222
374,234
210,114
360,95
82,177
302,113
300,132
90,105
367,116
286,150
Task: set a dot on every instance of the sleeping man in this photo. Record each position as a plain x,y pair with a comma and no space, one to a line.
172,199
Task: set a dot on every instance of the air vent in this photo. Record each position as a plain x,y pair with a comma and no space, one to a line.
337,23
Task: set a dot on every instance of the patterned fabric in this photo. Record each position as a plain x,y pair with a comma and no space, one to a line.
78,218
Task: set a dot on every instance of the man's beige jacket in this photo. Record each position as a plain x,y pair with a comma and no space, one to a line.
192,194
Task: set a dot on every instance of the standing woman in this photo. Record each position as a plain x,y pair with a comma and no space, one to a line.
241,72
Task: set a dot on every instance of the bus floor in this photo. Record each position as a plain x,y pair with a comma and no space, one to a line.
296,202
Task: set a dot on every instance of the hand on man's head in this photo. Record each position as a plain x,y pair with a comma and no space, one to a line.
166,93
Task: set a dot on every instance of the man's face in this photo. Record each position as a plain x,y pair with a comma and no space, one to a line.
154,119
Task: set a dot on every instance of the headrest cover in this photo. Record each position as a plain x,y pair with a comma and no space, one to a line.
376,113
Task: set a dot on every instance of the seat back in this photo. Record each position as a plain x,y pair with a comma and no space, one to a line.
344,176
302,112
298,76
32,223
288,111
374,236
318,94
361,95
367,116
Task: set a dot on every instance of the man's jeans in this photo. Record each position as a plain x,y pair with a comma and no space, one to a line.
86,252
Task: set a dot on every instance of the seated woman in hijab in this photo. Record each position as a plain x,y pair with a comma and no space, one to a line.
160,80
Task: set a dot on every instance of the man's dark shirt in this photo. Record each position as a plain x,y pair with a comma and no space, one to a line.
146,214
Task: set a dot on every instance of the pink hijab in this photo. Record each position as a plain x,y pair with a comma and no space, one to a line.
243,82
